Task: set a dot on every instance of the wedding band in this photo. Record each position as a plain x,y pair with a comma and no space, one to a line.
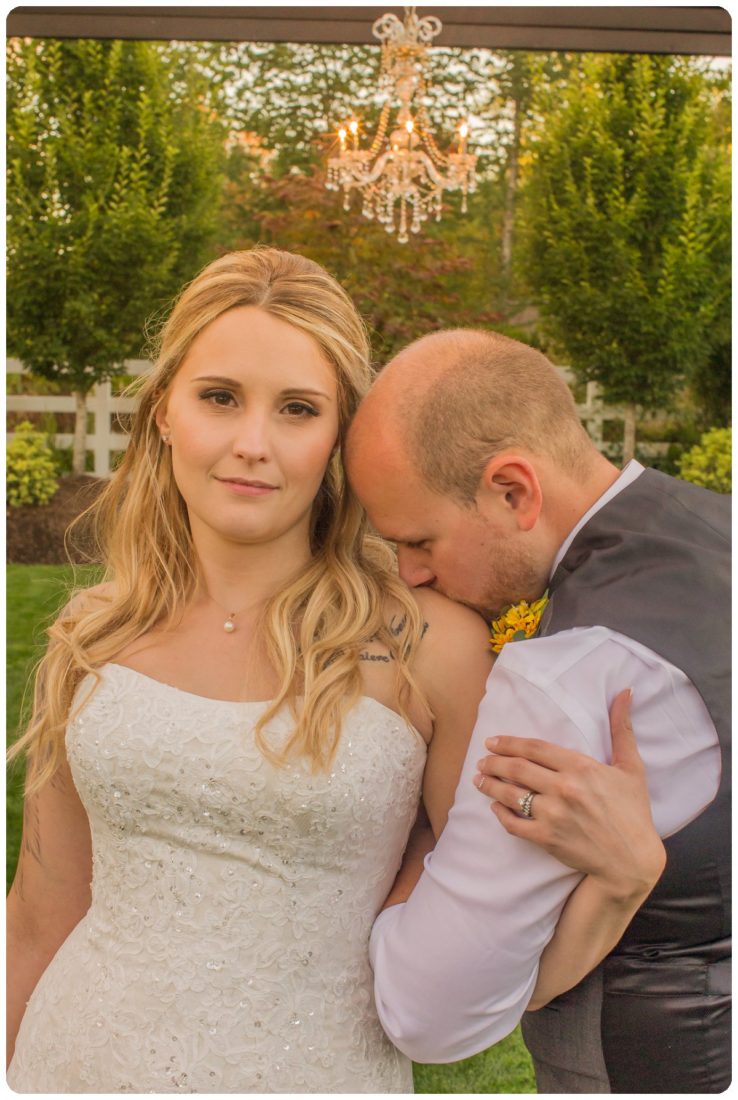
526,802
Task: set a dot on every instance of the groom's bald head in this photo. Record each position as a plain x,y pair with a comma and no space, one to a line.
468,454
452,400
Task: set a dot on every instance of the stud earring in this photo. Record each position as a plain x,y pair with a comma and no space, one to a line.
166,439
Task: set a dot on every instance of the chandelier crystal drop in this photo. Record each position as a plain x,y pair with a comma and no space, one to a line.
402,175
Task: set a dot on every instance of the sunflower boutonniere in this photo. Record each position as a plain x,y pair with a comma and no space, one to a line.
517,622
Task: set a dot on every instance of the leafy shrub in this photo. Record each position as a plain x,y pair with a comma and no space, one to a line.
31,472
709,462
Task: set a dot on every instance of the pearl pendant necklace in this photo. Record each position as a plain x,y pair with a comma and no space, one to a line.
229,626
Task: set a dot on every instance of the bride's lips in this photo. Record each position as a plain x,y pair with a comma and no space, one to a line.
246,488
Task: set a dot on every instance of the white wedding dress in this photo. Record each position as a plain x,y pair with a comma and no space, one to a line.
225,949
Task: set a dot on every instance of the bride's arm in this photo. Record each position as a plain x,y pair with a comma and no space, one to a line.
452,666
591,923
453,662
51,889
50,892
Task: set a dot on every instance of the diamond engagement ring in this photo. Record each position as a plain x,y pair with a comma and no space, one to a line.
526,802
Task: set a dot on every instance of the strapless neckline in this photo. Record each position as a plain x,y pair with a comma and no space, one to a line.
250,702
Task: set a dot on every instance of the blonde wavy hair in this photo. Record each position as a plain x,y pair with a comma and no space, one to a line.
314,628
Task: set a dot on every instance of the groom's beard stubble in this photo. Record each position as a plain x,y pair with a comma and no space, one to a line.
513,575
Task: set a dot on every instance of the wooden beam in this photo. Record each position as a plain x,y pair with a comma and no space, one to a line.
683,30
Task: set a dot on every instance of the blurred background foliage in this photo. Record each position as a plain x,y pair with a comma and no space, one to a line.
600,229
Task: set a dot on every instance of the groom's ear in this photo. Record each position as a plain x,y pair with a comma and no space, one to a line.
510,489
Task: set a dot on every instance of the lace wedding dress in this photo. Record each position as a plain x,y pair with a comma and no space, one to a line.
225,949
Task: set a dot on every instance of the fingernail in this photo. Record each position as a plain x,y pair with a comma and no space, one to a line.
630,694
478,780
492,742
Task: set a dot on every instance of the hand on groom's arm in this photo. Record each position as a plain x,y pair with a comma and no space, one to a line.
591,816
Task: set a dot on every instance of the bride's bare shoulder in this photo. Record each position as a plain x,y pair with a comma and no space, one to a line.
455,653
448,620
442,617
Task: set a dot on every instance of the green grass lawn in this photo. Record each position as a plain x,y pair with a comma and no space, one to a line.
505,1067
34,594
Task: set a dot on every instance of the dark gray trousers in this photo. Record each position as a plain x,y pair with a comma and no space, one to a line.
566,1034
662,1027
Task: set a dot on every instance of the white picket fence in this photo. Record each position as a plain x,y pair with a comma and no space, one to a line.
105,440
594,414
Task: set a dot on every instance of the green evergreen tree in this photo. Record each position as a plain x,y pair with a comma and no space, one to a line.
522,82
114,168
626,222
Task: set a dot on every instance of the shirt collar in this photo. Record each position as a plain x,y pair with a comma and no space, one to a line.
632,471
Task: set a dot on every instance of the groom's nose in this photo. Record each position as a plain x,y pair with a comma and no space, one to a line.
413,571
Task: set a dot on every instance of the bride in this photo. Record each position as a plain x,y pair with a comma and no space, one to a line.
230,734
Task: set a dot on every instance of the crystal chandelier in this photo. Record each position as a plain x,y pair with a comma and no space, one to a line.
402,175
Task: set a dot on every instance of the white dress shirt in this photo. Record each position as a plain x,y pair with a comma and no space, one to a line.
456,965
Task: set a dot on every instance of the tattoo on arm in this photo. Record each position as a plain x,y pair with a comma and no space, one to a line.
395,630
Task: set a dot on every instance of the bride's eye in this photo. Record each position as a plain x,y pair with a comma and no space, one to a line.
300,410
221,398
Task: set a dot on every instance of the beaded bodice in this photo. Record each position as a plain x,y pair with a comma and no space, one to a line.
225,949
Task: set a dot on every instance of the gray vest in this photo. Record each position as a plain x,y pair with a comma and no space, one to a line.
654,564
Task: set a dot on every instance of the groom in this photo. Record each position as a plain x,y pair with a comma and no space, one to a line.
469,454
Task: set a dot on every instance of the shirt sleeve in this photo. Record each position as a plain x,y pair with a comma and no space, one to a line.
456,965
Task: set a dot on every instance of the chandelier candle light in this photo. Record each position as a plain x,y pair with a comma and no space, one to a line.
403,165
